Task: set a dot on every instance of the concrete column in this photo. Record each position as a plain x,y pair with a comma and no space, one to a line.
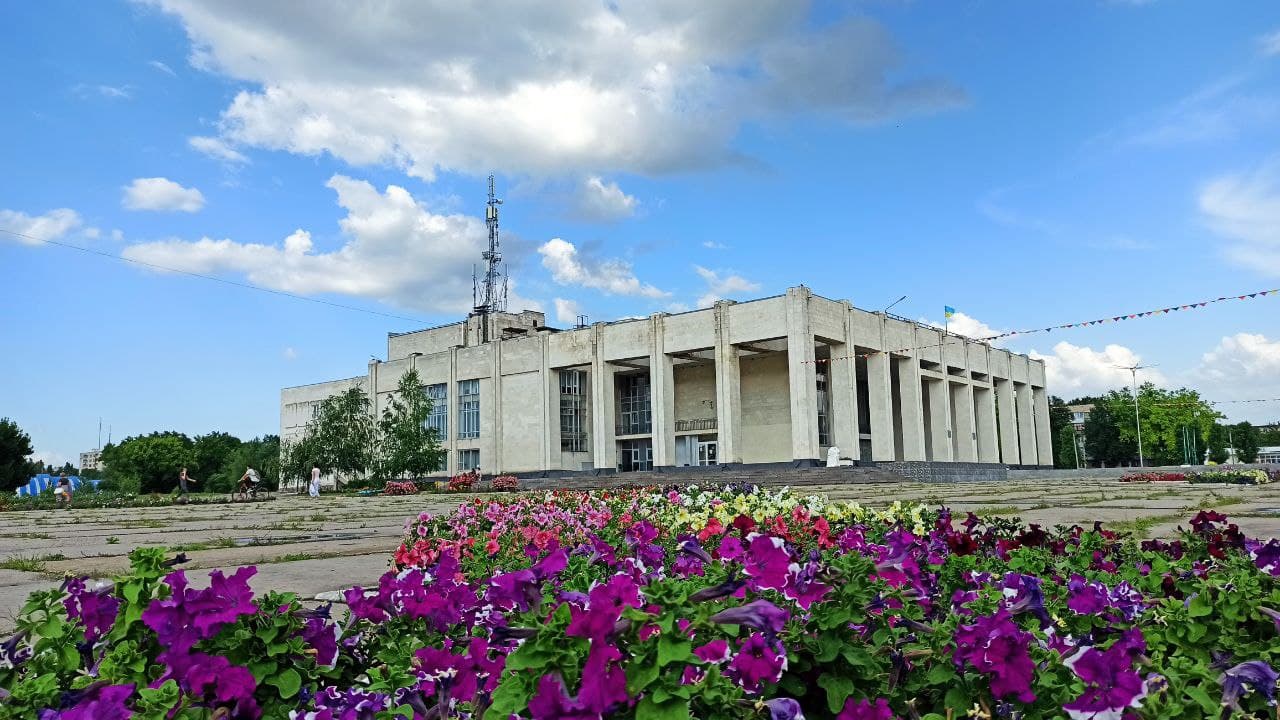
1026,423
494,431
1010,452
451,417
1044,435
728,390
550,407
662,394
984,400
912,405
966,442
802,379
842,380
880,407
939,420
604,445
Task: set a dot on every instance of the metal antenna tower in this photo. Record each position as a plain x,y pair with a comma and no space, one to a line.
490,296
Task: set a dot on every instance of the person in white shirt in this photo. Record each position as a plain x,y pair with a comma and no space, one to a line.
314,490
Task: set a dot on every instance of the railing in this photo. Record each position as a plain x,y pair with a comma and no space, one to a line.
700,424
634,428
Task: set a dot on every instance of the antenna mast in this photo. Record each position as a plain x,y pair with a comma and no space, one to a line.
493,297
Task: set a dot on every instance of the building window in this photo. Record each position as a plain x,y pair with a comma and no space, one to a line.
468,459
439,417
633,405
573,411
635,455
824,409
468,409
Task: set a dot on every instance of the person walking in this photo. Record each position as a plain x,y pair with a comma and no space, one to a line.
314,489
183,479
63,491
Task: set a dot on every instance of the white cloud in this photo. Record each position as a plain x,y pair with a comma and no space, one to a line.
396,251
615,277
575,87
55,458
567,311
162,68
1221,110
713,245
968,326
601,201
216,148
92,233
1245,209
1270,43
1242,366
159,193
117,235
289,353
1073,370
720,286
111,92
49,226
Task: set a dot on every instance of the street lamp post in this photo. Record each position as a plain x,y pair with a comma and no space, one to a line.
1133,370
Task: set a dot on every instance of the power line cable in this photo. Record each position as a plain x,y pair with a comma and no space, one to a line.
224,281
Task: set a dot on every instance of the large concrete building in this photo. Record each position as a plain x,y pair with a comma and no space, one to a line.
775,380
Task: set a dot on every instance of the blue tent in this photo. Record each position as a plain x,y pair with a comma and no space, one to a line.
45,482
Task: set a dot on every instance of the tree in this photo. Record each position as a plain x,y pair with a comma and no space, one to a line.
338,439
1062,432
213,453
407,445
15,447
1218,443
1245,437
1166,416
1102,439
152,462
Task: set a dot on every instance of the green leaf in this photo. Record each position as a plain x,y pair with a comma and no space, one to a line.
957,699
288,682
1202,698
511,697
941,674
672,649
1200,606
838,689
640,675
669,710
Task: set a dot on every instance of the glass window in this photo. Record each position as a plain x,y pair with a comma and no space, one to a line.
469,409
634,416
468,459
573,411
824,409
439,417
635,455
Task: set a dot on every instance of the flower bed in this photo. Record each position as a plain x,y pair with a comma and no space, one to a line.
505,483
1236,477
395,487
1155,477
725,603
461,483
111,499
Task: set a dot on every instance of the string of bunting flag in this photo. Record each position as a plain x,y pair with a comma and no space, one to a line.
1087,323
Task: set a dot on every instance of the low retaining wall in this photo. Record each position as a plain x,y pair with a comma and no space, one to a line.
950,472
1114,473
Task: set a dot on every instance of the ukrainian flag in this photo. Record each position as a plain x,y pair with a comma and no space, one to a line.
948,311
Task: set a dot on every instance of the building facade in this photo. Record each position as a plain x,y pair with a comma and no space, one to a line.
779,379
91,460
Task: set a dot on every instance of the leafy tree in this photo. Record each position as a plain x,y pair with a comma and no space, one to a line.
213,452
15,446
151,461
261,454
1269,435
407,446
339,439
1245,437
1062,432
1218,443
1102,439
1165,414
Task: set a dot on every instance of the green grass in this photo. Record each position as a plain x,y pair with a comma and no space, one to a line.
34,563
997,510
1140,527
211,544
28,536
113,540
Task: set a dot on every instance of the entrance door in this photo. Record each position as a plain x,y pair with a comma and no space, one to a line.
707,452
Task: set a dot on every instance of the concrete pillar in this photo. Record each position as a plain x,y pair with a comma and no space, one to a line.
939,420
728,390
451,417
912,405
662,397
550,408
966,441
603,443
880,407
493,433
984,401
842,380
1010,451
801,377
1044,435
1026,423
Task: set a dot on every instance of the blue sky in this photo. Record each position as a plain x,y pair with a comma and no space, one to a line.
1026,164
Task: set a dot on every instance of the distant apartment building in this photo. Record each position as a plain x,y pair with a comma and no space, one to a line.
1269,454
91,460
774,380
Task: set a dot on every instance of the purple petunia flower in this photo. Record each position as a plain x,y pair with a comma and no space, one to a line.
767,563
784,709
803,586
350,704
995,646
322,636
715,592
1267,557
605,604
757,661
1254,675
551,702
716,651
1111,683
689,546
864,710
759,614
1275,616
99,701
730,548
1024,596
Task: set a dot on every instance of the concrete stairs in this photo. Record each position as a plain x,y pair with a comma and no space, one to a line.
765,476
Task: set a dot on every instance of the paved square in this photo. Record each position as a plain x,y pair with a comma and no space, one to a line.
311,545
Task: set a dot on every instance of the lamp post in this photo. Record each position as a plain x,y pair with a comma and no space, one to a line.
1133,370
